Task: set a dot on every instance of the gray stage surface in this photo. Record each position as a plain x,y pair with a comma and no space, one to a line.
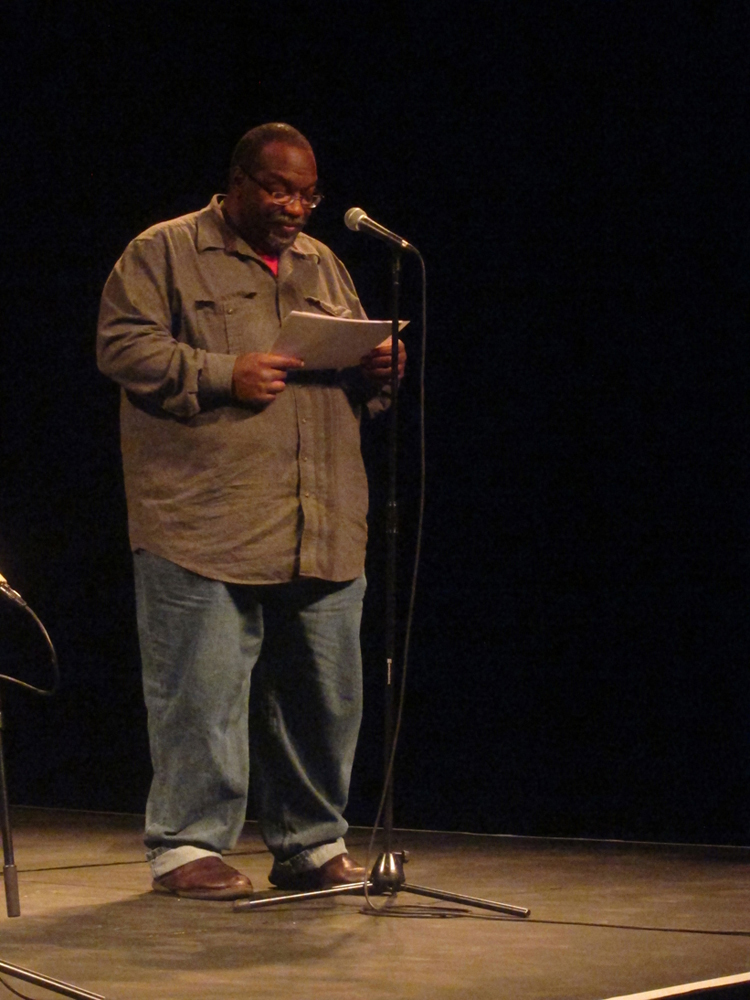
608,919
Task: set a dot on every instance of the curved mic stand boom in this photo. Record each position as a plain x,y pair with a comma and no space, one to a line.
387,875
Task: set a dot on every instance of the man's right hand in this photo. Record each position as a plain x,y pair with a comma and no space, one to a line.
259,378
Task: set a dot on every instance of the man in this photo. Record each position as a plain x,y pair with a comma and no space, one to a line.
247,503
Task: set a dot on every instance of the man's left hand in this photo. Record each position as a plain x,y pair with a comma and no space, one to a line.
377,364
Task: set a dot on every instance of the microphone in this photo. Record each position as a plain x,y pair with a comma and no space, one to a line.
9,592
358,220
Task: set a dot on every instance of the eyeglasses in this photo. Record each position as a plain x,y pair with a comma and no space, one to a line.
284,197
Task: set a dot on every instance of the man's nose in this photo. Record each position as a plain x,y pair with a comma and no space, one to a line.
295,206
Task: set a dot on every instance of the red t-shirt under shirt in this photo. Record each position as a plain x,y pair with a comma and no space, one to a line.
273,263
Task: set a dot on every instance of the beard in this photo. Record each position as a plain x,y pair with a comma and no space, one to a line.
279,241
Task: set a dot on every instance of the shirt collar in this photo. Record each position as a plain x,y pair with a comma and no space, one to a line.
213,233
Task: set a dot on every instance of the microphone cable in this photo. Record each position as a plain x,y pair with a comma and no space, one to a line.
408,910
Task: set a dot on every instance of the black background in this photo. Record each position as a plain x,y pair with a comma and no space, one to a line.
575,174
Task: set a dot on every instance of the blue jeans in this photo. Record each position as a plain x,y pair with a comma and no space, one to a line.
201,641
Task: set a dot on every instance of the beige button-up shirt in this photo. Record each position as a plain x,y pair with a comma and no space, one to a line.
214,486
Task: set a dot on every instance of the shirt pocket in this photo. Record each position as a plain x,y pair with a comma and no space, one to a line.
251,321
234,324
328,307
210,327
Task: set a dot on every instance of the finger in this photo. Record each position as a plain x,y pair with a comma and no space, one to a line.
385,352
273,375
282,362
377,358
269,394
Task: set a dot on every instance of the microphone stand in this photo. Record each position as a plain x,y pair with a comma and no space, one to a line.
391,539
387,875
10,873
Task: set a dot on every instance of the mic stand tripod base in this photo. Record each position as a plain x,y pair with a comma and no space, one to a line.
387,877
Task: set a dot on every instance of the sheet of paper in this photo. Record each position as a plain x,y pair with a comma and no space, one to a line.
330,341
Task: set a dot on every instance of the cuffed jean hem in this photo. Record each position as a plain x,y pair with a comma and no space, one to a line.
315,857
166,859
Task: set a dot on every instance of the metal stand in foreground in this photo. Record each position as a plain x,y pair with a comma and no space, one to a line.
10,874
387,876
55,985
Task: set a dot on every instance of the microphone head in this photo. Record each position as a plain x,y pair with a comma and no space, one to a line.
353,218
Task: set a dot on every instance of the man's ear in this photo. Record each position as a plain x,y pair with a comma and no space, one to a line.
235,176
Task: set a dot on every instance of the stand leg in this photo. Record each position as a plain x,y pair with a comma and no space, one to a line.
300,897
455,897
54,985
10,875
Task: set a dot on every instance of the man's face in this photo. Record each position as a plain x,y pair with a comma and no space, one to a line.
270,228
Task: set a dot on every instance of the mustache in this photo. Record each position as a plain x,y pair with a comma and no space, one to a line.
285,220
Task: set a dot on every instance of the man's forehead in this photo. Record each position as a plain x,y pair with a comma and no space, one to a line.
283,158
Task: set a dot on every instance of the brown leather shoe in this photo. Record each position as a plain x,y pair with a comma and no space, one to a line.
341,870
204,878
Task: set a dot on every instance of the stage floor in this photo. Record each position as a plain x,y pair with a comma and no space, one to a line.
608,919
